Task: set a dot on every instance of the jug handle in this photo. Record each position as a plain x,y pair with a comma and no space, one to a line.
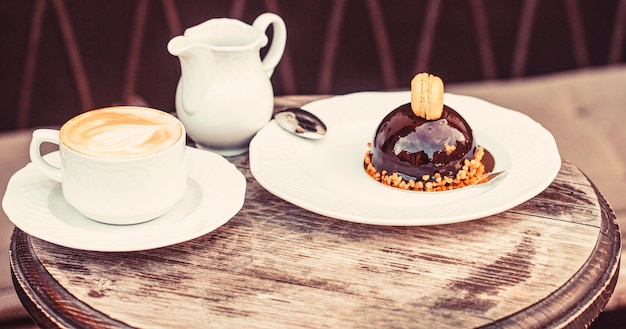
279,39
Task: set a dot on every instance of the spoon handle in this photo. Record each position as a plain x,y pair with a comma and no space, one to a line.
491,177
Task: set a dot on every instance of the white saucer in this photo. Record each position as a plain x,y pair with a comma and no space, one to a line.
215,193
326,176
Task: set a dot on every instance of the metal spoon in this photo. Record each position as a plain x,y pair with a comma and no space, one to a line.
301,123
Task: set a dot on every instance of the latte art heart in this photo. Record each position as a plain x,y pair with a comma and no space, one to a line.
117,133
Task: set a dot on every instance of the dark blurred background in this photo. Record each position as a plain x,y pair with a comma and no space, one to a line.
61,57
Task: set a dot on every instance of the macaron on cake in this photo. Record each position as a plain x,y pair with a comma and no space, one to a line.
425,145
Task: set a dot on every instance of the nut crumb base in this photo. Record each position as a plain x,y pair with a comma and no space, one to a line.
472,171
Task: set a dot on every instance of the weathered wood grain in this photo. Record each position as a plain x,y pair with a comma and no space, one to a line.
551,261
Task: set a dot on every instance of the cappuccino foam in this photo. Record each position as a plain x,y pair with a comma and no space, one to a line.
121,132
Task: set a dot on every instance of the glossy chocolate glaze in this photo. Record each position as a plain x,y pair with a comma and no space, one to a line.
413,146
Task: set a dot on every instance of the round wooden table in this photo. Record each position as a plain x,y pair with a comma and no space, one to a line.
549,262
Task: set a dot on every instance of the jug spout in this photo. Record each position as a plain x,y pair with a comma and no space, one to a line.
178,45
197,67
184,45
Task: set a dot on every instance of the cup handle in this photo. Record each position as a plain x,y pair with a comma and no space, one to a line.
279,39
41,136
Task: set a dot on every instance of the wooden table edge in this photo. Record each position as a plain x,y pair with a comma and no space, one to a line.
42,301
576,307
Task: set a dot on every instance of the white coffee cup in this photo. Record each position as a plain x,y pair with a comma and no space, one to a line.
119,165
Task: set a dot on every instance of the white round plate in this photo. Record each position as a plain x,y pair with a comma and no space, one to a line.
326,176
215,193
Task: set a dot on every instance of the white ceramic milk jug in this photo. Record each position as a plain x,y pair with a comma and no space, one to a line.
224,95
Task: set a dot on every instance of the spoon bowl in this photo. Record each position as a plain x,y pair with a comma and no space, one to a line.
301,123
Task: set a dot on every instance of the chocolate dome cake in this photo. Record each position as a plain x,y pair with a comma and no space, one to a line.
425,145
